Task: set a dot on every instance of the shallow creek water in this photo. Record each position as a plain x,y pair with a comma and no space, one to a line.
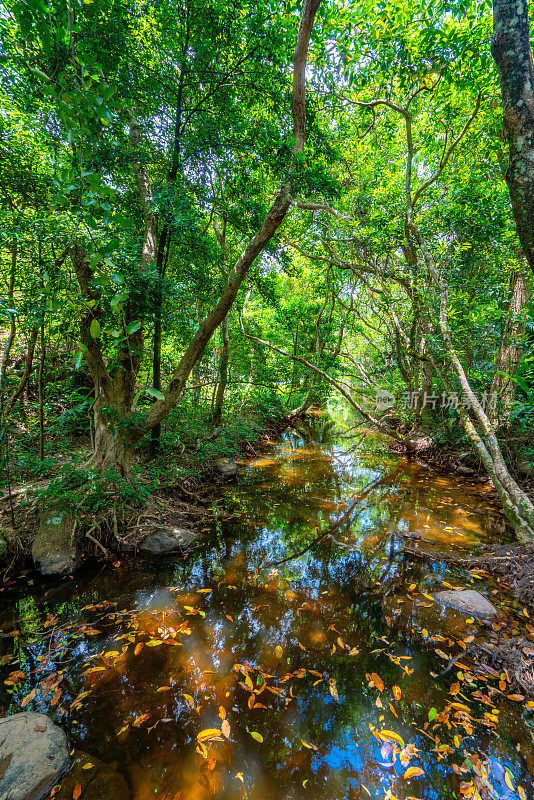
250,671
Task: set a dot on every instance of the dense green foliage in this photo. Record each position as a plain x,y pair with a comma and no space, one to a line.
125,115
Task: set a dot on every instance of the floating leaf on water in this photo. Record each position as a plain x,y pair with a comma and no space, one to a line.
257,736
461,707
77,791
413,772
139,720
14,677
55,697
188,699
88,765
333,689
354,651
509,779
278,651
29,697
391,736
209,734
138,647
432,714
225,729
397,692
378,682
308,745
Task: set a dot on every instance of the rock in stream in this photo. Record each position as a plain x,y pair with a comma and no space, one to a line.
469,601
166,539
33,756
54,550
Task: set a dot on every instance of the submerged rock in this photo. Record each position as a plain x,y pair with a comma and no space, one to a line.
465,471
33,756
166,539
226,468
97,782
53,549
467,600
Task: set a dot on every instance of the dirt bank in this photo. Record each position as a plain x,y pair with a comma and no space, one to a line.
93,515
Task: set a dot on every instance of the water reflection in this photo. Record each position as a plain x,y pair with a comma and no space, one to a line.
301,637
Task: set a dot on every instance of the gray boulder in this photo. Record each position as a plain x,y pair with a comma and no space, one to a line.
468,459
54,549
226,468
469,601
166,539
33,756
465,471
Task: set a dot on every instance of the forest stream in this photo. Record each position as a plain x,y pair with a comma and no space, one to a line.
287,656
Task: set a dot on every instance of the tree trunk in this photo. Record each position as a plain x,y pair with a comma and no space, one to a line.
115,439
162,259
510,350
12,319
41,390
518,507
223,374
27,370
513,57
114,444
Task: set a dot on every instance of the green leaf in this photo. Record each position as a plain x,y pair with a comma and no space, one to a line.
95,329
133,327
432,714
155,393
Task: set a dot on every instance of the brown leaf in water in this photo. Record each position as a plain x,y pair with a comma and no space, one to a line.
378,682
77,791
14,677
55,697
397,692
225,728
139,720
29,697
